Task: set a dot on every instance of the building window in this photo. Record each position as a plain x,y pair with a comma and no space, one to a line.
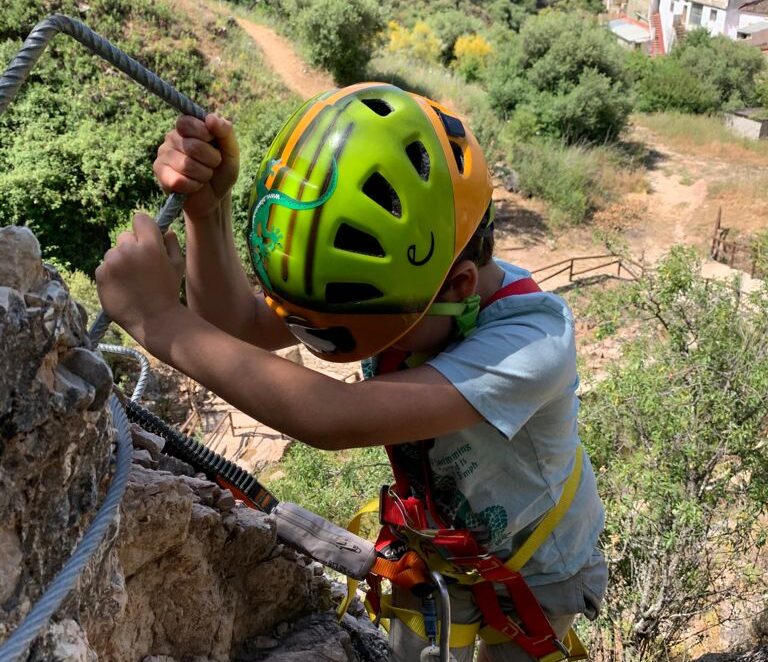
694,18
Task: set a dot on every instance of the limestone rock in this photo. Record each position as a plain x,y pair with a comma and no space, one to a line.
63,642
55,450
186,573
20,264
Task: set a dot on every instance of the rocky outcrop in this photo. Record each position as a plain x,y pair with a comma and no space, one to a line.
189,573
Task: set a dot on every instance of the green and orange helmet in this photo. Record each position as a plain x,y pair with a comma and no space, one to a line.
361,205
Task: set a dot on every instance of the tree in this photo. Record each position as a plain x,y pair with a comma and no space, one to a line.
340,35
566,70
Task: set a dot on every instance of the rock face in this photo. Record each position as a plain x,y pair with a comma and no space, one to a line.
188,574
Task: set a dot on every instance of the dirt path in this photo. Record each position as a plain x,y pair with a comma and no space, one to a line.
279,54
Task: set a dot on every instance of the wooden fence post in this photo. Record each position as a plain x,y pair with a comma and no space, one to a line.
715,243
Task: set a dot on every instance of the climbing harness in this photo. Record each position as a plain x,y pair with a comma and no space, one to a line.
309,533
420,547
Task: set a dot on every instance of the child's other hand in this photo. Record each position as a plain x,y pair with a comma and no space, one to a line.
188,163
138,281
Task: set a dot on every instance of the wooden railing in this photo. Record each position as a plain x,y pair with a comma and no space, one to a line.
736,255
569,266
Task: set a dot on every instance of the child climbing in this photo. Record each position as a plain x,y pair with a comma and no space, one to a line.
371,234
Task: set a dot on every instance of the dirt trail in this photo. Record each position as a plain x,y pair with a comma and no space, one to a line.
279,54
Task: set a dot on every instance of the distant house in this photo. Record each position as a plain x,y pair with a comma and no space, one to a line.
631,33
736,19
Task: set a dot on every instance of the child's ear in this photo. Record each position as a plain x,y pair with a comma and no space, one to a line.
461,282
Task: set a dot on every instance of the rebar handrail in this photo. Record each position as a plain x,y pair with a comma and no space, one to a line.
568,265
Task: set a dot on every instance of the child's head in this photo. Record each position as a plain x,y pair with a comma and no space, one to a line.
364,202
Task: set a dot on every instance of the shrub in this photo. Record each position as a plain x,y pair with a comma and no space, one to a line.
74,165
702,75
730,66
560,175
665,84
419,43
472,53
677,433
511,14
567,70
340,35
448,26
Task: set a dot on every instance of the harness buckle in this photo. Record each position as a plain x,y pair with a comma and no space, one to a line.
561,647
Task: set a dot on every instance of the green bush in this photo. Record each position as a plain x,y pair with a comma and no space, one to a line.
511,14
562,176
340,35
701,75
449,25
568,71
665,84
731,66
77,144
334,484
677,433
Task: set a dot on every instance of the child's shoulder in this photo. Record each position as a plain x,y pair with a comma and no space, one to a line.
525,308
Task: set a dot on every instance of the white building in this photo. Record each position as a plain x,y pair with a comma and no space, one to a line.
737,19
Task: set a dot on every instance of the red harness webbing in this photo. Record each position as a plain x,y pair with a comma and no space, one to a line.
400,509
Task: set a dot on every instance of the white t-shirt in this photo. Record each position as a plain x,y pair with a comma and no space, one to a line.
501,476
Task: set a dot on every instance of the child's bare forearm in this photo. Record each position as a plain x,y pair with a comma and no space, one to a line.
300,402
218,288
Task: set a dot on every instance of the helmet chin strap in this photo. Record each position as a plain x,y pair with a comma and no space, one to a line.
464,313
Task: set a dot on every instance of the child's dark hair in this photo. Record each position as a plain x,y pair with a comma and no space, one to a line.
479,249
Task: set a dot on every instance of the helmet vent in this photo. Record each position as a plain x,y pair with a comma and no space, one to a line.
356,241
381,192
418,155
458,154
336,293
378,106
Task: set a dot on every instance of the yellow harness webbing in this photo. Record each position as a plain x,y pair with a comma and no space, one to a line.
464,634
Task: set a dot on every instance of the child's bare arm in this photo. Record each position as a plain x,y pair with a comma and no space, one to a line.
138,285
217,286
414,404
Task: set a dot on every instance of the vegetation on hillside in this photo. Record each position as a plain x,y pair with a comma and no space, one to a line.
77,144
542,86
678,432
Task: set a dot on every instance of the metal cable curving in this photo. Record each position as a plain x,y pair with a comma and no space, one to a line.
10,82
16,645
30,53
144,370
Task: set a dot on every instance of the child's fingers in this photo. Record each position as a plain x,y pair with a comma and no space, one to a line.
187,166
191,127
174,251
194,148
223,130
173,181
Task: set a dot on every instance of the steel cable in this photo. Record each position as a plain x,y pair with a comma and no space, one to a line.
16,645
10,82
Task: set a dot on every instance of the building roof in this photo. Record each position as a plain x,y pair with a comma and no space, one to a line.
630,30
754,7
753,28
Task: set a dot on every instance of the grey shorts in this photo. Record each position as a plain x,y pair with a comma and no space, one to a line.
562,601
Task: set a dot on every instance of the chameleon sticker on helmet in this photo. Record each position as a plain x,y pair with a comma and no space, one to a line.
263,240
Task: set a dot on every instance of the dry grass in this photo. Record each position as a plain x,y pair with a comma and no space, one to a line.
743,199
703,135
